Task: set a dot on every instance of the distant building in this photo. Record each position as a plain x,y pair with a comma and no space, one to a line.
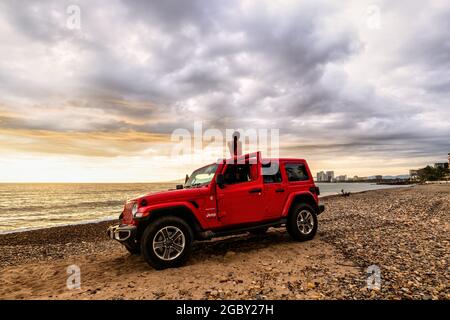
330,176
448,175
442,165
341,178
378,177
325,176
321,176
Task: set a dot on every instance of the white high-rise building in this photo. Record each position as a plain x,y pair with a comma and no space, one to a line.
321,176
330,176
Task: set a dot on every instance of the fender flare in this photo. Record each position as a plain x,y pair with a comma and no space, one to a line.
291,199
189,210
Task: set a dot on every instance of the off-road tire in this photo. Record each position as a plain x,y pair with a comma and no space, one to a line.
292,227
133,248
147,242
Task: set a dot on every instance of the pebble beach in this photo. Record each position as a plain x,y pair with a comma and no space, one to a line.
404,233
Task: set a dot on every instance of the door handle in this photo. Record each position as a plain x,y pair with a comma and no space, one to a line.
255,190
279,190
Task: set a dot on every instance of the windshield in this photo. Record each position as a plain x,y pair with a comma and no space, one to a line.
201,176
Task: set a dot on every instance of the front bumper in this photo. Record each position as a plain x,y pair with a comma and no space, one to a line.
122,232
321,208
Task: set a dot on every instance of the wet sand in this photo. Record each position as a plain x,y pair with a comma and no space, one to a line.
404,232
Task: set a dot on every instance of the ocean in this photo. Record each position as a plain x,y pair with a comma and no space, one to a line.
26,206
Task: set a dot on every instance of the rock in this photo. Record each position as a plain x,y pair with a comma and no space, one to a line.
230,254
310,285
316,296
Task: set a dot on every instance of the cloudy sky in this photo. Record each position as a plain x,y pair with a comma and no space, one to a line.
361,88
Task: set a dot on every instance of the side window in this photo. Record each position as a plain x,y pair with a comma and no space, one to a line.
268,173
239,173
296,172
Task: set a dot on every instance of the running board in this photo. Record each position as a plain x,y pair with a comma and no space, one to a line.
206,235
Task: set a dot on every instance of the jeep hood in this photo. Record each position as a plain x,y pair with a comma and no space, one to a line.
174,195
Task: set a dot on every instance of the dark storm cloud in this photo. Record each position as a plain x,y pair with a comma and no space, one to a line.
171,15
154,66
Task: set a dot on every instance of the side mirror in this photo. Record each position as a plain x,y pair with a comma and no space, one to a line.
186,178
220,180
179,186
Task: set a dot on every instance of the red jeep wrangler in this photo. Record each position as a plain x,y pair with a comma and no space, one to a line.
243,194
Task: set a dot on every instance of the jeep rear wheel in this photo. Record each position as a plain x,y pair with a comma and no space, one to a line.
166,242
302,222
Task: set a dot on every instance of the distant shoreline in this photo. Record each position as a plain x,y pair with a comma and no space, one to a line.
328,196
387,182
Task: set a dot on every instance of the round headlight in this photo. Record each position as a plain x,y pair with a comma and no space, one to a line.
135,209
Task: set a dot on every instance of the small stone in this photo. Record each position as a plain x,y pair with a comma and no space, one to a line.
310,285
230,254
214,292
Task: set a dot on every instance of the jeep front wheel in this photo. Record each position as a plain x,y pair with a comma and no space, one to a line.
166,242
133,248
302,222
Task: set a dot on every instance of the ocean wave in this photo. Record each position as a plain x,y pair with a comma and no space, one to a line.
56,206
39,227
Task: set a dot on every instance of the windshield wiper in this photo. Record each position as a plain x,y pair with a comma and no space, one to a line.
198,184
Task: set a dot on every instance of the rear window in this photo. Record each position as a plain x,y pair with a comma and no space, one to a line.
296,172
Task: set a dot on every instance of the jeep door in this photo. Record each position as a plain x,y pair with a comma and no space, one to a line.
274,189
240,200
